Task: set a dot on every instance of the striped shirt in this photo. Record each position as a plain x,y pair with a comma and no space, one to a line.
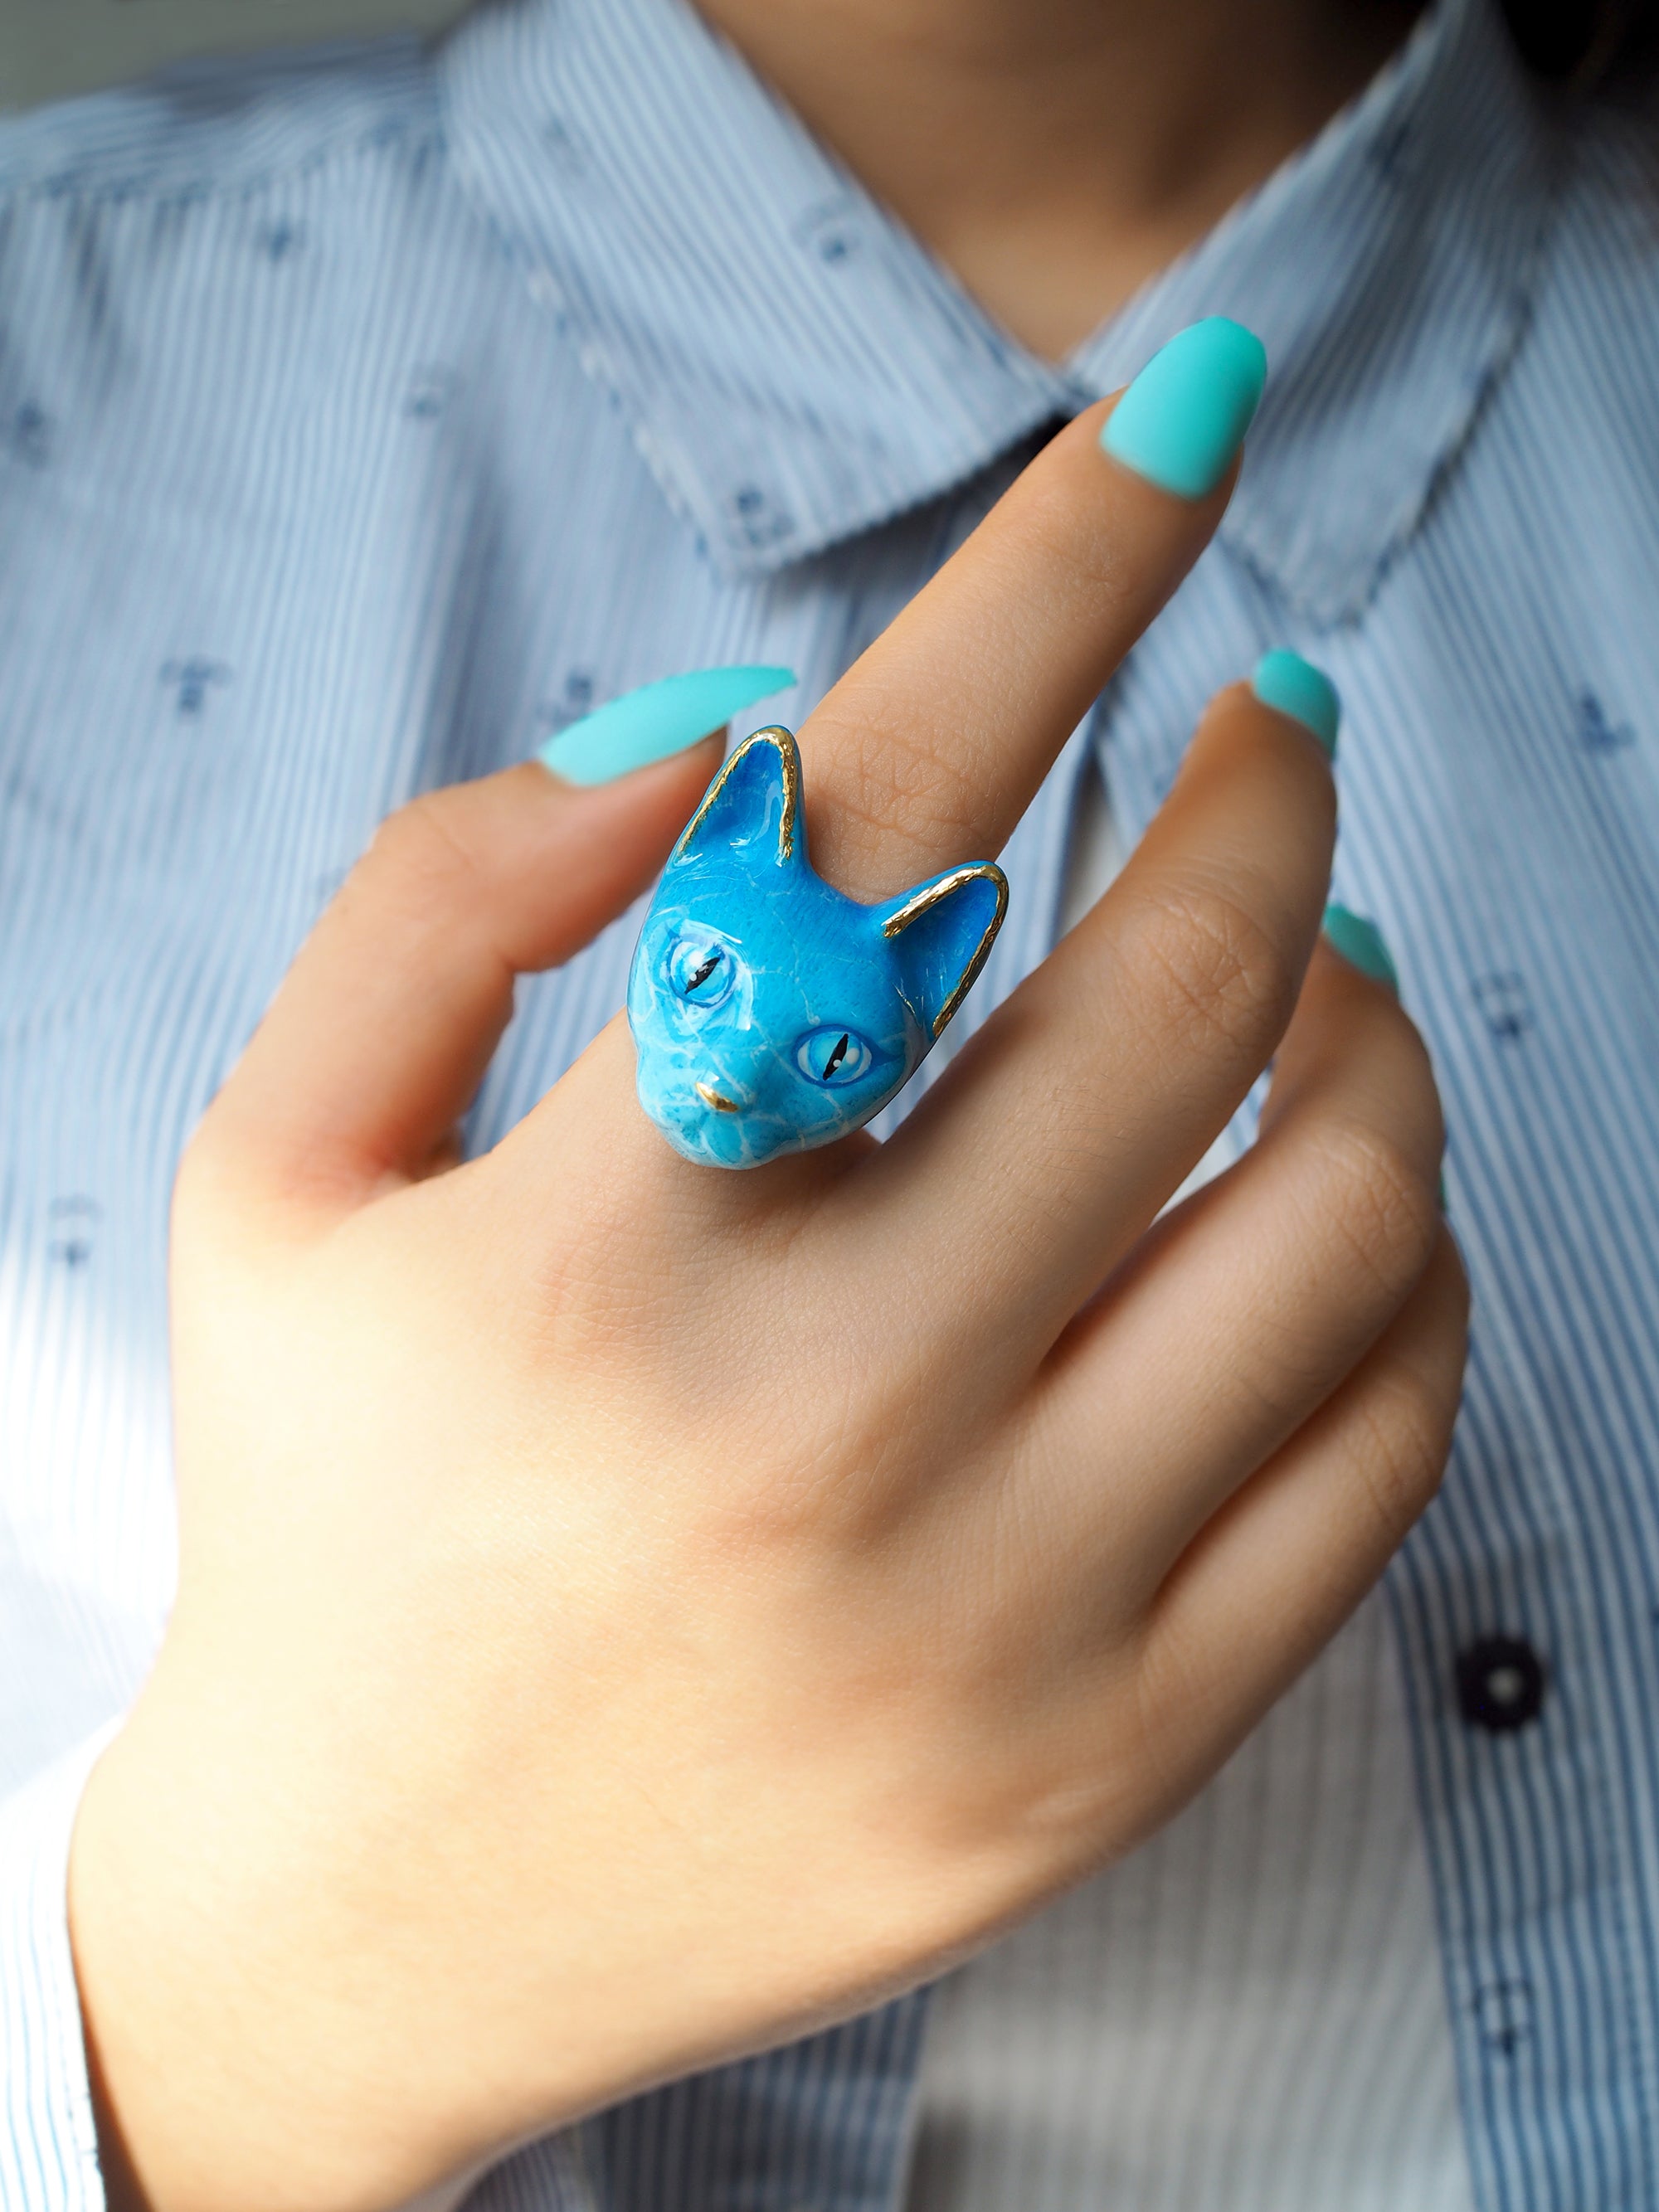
366,416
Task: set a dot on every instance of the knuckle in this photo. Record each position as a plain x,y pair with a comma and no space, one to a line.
1407,1444
891,777
1382,1205
1224,979
424,848
221,1207
1176,1692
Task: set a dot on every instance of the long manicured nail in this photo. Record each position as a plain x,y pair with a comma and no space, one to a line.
1184,417
1360,942
656,720
1290,685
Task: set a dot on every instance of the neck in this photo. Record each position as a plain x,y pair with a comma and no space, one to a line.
1054,153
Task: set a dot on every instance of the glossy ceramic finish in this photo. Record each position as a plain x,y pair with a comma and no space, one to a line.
771,1013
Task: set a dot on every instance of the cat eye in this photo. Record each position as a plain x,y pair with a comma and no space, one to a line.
832,1055
702,972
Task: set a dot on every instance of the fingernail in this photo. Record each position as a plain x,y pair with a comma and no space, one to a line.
1290,685
1183,418
655,721
1360,942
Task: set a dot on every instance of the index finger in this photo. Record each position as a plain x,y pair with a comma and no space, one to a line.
933,743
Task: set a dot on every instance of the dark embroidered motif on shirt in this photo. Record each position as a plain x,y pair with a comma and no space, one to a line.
1502,2011
72,1220
430,392
561,142
279,239
831,231
757,519
191,679
574,700
27,437
1505,1006
1597,734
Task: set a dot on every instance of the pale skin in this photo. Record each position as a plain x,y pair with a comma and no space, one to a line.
1055,153
631,1613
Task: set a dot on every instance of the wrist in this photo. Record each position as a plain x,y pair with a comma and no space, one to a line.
217,2085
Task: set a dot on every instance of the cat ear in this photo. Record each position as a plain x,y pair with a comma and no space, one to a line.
943,932
753,805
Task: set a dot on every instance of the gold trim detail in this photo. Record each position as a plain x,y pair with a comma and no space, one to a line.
929,897
788,754
711,1097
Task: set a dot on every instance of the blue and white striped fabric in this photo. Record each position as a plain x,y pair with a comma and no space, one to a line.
363,417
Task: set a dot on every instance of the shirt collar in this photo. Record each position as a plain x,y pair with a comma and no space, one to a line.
795,367
1389,269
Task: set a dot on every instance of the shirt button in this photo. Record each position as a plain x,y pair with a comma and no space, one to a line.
1500,1684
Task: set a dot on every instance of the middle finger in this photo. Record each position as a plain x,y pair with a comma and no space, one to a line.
931,747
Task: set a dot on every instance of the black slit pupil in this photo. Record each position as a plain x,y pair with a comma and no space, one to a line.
703,973
835,1058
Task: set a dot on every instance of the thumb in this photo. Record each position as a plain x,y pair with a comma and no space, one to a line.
382,1029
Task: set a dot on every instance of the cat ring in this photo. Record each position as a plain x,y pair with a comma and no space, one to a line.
770,1012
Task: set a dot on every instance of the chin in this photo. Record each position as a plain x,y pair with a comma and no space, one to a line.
747,1138
699,1133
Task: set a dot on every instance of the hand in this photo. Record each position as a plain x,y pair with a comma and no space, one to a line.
632,1614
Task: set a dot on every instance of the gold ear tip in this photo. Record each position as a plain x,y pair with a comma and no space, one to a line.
783,743
922,901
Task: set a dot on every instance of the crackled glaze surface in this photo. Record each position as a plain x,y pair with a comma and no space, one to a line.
770,1012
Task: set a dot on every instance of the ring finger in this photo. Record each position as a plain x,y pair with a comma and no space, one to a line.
1247,1307
1067,1123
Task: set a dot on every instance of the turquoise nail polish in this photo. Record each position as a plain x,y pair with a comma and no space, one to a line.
1360,942
1184,417
656,720
1293,686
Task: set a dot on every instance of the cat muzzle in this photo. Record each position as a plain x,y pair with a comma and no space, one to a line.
710,1096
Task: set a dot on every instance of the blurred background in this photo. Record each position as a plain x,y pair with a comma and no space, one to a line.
51,48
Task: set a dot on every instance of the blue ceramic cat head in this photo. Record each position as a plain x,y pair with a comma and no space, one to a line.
770,1012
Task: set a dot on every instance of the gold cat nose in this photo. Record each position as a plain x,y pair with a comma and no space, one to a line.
710,1096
